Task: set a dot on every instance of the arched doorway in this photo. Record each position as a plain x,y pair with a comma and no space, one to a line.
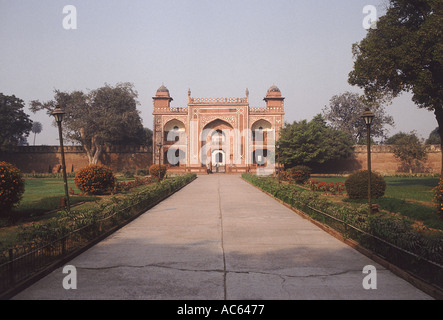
216,145
218,160
260,157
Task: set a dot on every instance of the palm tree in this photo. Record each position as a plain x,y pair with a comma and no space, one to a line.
36,128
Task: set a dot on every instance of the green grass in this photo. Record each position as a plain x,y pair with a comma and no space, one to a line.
409,196
407,188
43,195
419,189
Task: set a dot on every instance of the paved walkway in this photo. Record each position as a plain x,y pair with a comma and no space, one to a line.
220,238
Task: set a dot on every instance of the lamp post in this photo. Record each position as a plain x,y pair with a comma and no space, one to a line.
368,116
58,114
159,145
278,161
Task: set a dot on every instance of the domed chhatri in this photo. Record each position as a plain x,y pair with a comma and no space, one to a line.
273,88
273,91
163,91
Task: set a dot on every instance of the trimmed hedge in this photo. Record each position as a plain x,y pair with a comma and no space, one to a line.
95,179
12,187
357,185
396,230
102,218
299,174
438,191
157,171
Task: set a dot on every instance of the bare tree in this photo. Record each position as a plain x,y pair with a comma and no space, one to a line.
344,113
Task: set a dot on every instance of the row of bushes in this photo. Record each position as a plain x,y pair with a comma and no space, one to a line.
99,179
396,230
356,185
107,215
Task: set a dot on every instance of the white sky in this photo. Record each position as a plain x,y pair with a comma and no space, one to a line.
217,48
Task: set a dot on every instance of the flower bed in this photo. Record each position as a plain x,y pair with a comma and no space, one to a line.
122,186
337,188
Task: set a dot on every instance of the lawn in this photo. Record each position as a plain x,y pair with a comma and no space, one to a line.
43,195
409,196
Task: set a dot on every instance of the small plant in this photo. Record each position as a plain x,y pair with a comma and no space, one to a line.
12,187
157,171
438,190
326,187
299,174
95,179
357,185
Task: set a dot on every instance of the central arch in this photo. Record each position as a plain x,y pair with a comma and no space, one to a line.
216,145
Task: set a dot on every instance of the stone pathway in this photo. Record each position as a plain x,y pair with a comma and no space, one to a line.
221,238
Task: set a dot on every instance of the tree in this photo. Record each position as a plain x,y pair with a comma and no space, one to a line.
344,113
312,143
404,54
15,124
409,149
36,128
147,138
103,117
434,137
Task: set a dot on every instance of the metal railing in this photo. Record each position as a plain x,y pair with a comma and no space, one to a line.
424,269
418,266
26,263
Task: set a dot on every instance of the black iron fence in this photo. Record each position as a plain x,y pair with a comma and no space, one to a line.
22,265
426,270
422,261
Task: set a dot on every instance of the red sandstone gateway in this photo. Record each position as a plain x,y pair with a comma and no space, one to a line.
217,134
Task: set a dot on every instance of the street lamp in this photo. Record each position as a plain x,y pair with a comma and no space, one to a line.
159,145
278,161
368,116
58,114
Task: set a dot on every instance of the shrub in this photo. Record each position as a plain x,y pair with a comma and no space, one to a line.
12,187
438,191
157,171
357,185
95,179
299,174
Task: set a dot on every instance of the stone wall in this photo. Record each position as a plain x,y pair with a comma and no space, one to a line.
383,161
43,159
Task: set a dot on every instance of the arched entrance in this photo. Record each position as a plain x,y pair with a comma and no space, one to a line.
216,147
218,161
260,157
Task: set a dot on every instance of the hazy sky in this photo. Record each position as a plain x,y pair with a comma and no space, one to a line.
217,48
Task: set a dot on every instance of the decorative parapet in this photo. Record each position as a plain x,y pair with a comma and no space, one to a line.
218,100
181,110
260,110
